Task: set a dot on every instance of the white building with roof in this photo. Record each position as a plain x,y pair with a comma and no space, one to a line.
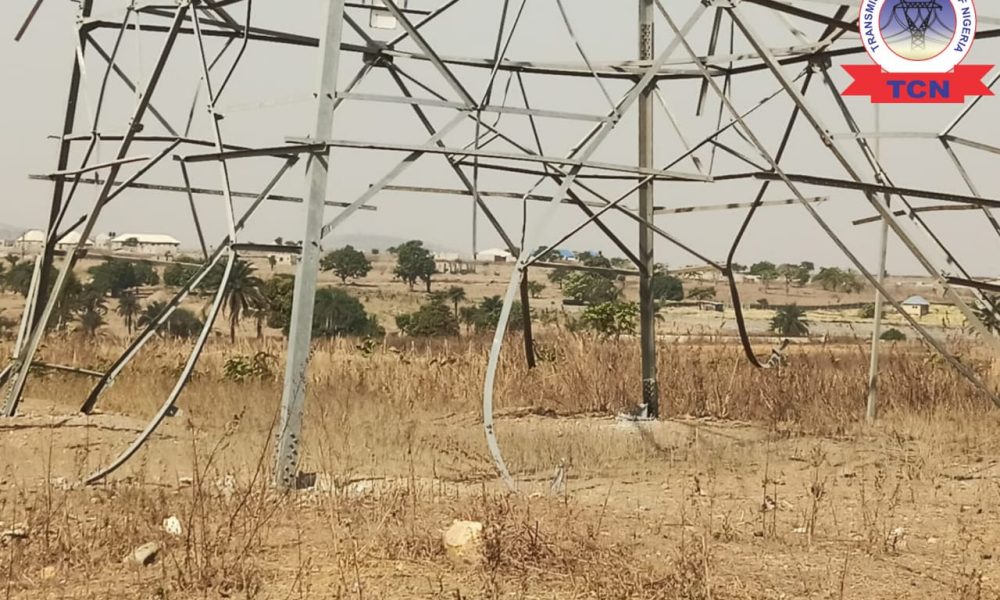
152,244
33,241
494,255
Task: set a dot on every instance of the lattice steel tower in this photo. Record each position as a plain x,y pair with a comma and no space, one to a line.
919,17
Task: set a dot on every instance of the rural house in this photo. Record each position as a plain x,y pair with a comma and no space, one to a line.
151,244
917,306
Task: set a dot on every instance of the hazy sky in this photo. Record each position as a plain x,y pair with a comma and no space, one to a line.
269,100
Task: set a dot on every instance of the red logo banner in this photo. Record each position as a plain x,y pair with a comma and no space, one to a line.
917,88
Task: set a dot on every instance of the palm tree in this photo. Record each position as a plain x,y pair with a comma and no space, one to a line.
455,294
242,295
259,315
150,313
128,309
789,321
91,309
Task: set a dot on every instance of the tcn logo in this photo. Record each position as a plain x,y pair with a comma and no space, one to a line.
918,46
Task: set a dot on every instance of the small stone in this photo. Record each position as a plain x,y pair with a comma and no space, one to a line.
49,572
143,555
463,541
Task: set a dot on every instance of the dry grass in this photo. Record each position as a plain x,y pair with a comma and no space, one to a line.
762,484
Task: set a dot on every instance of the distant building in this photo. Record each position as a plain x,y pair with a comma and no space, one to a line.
452,262
152,244
495,255
33,241
30,241
917,306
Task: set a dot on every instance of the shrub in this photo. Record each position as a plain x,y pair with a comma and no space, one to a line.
177,274
242,368
182,324
666,287
589,288
893,335
485,316
611,319
339,314
434,319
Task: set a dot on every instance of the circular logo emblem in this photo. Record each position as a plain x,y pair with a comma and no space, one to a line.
918,36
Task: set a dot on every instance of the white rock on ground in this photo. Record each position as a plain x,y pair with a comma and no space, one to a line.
143,555
172,525
463,542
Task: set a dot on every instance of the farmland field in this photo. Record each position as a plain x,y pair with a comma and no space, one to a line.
754,484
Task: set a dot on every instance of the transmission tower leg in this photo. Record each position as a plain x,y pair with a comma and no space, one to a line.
877,331
56,205
300,331
647,309
529,339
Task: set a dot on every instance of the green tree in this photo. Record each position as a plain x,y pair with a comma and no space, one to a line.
182,323
242,295
590,288
535,289
789,273
611,319
433,319
128,309
838,280
278,292
702,293
339,314
19,278
550,256
413,263
790,321
181,270
765,271
666,287
558,275
115,276
346,263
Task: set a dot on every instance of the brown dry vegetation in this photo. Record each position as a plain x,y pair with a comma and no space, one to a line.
758,485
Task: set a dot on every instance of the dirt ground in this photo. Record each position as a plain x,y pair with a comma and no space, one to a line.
755,485
703,508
